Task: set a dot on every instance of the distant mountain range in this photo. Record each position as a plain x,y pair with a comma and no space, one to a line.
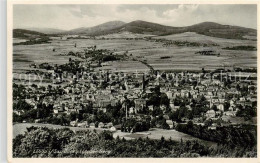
96,29
143,27
26,34
47,30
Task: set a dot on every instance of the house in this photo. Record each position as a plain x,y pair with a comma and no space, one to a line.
113,129
184,119
148,91
232,103
248,103
131,110
185,93
118,127
170,123
172,105
213,126
18,112
55,111
90,97
189,107
140,104
170,94
83,124
78,108
150,107
231,108
166,117
109,125
210,114
218,113
195,96
104,103
74,123
92,125
101,125
220,106
214,100
176,94
163,107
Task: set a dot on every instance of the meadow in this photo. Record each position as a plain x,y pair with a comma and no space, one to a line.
154,53
156,134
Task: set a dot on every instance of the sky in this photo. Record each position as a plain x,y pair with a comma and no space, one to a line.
68,17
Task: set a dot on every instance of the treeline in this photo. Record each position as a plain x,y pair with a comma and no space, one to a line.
41,40
57,143
244,136
238,69
208,52
246,48
44,114
247,112
29,114
168,43
132,125
101,55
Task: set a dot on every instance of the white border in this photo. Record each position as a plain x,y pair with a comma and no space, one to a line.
125,160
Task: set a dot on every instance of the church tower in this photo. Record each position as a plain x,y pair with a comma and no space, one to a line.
107,76
143,83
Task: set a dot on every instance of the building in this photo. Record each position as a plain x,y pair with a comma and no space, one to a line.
170,123
210,114
140,104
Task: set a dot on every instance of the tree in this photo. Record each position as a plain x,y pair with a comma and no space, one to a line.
73,116
22,105
36,138
164,100
208,122
154,99
157,111
165,125
226,106
214,107
106,135
190,115
190,125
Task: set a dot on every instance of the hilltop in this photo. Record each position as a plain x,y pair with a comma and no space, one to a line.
96,29
143,27
47,30
26,34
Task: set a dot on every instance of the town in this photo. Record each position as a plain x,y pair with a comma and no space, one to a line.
80,95
133,81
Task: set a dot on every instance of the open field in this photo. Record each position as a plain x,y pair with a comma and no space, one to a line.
184,58
156,133
124,35
153,133
177,57
124,66
18,40
194,37
40,53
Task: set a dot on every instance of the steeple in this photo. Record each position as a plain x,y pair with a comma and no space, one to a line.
143,83
107,76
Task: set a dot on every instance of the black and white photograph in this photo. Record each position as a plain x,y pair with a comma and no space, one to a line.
133,80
